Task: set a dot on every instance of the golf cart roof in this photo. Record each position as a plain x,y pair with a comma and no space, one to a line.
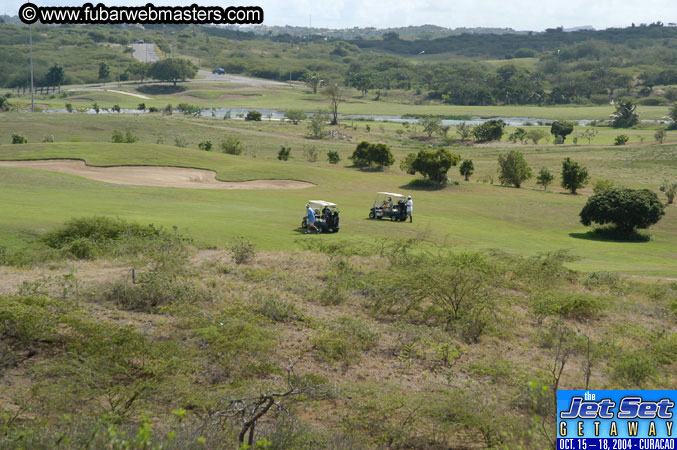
321,203
390,194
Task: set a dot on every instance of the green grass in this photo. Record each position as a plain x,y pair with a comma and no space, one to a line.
471,215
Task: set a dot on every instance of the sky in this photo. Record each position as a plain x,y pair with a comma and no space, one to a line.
533,15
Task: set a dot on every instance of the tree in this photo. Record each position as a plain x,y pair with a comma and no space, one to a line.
362,81
55,76
4,103
672,115
316,126
574,176
544,178
284,153
659,136
669,189
313,81
467,168
334,93
232,145
206,146
333,157
513,169
561,129
407,164
372,155
139,69
589,135
104,72
625,209
491,130
625,115
520,134
360,156
535,135
435,165
172,69
254,116
295,116
380,156
430,124
464,131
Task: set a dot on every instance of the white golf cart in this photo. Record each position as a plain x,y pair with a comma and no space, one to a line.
390,205
326,216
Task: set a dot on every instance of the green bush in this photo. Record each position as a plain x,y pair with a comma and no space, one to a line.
26,321
275,308
435,165
621,139
253,116
232,145
602,185
284,153
295,116
18,139
637,368
206,146
333,157
127,138
372,155
491,130
466,169
623,208
343,339
243,250
188,109
577,306
237,345
153,291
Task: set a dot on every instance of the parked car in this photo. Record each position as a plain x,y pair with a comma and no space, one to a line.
219,71
390,205
326,216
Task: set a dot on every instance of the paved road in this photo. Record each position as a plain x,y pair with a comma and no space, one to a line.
236,79
145,52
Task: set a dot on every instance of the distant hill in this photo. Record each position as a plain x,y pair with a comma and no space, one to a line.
423,32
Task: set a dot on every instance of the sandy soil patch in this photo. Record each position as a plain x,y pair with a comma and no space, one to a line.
157,176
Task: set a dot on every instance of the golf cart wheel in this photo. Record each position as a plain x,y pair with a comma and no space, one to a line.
394,218
304,225
372,215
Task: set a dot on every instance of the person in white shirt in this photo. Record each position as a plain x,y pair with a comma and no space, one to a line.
410,208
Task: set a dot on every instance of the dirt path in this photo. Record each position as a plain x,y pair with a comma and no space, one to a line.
157,176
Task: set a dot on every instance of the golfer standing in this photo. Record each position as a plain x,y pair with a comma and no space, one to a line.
310,222
410,208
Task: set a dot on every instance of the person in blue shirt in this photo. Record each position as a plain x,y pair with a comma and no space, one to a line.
310,221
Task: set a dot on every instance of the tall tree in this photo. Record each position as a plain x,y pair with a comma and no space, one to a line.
55,76
313,81
104,72
625,115
173,69
334,93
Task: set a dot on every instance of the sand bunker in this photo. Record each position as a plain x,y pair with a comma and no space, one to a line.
158,176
